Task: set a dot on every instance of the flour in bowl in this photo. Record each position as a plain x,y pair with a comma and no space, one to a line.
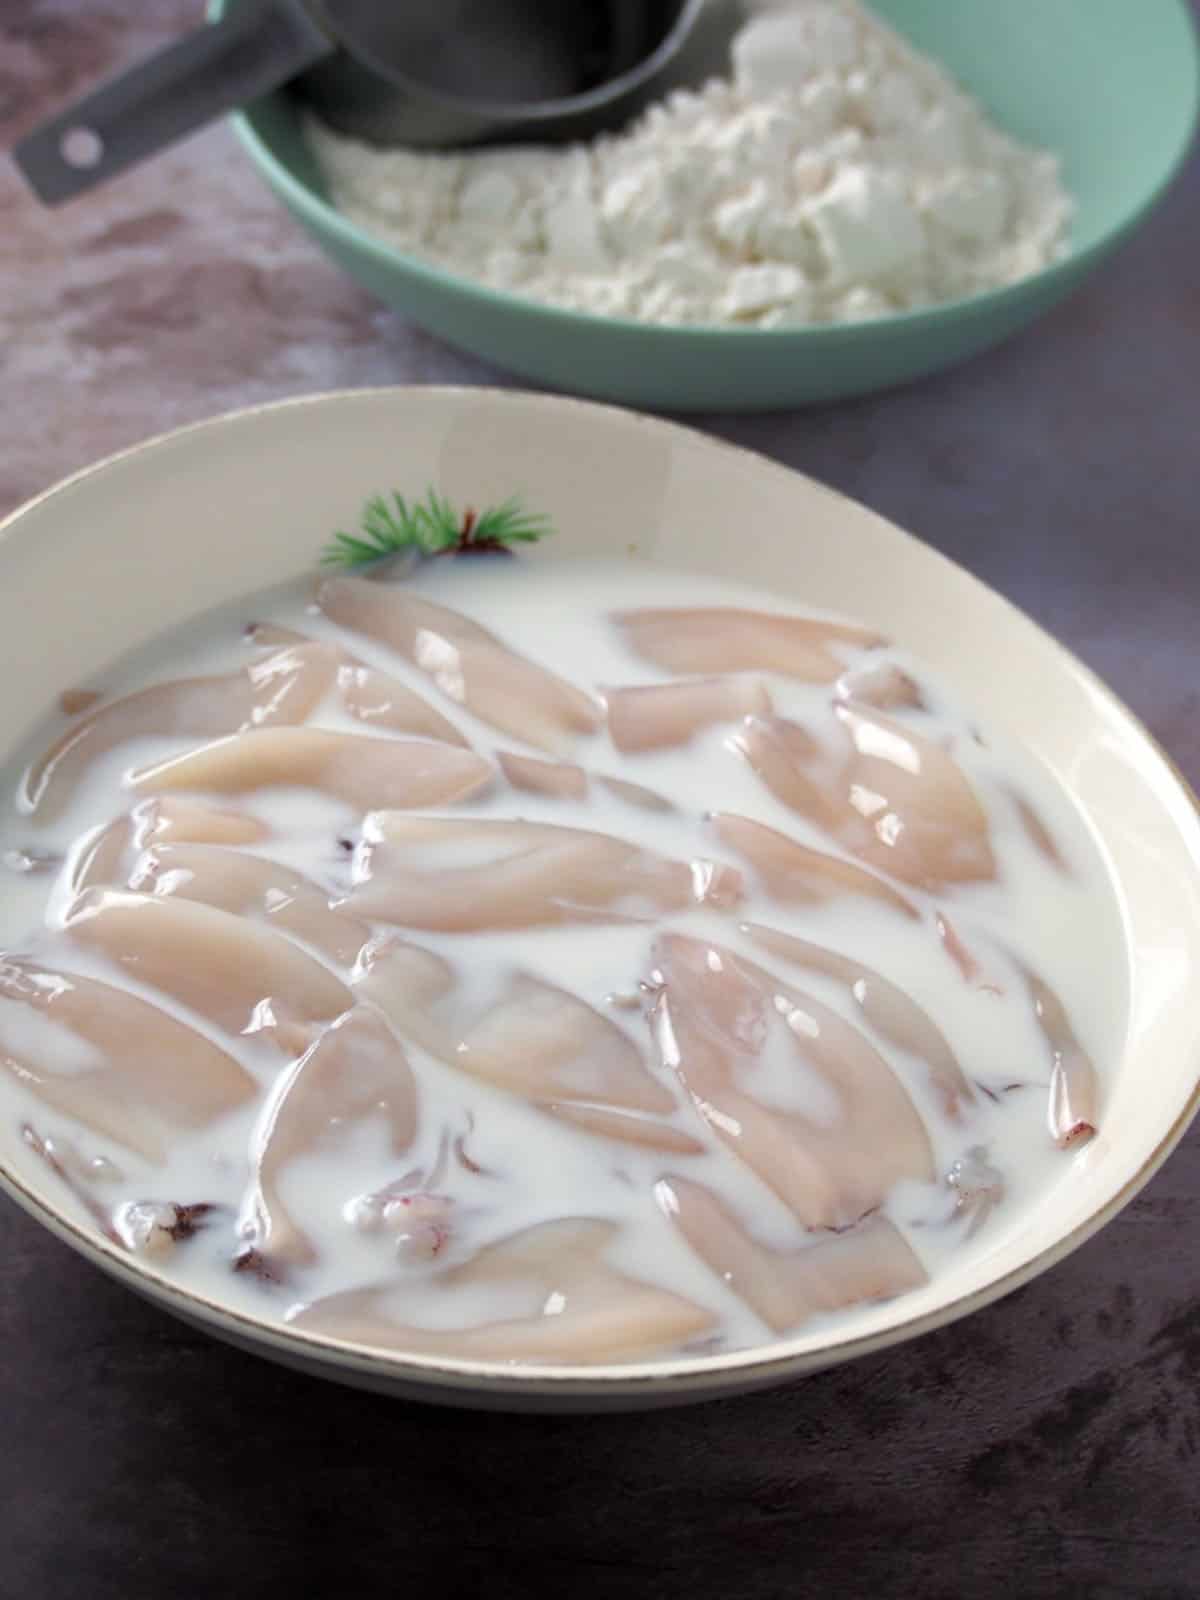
838,175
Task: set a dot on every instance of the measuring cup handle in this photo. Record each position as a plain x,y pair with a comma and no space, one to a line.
207,73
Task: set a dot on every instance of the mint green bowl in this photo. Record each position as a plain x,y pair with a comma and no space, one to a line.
1112,86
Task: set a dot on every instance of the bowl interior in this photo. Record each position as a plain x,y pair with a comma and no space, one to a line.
250,500
1112,89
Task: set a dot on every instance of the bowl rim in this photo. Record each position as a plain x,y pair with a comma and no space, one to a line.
322,215
677,1377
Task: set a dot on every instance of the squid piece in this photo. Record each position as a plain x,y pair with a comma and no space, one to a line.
470,666
355,1069
238,974
123,1068
1037,832
923,820
793,873
251,886
799,1094
174,821
407,983
726,639
661,716
978,1188
1073,1087
551,1047
898,800
283,687
462,876
634,794
560,780
274,635
892,1013
562,1300
538,1042
99,861
782,753
368,694
870,1262
52,1152
954,947
606,1123
959,952
363,772
74,702
884,685
377,698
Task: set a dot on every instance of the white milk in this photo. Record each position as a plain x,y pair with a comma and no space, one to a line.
535,1169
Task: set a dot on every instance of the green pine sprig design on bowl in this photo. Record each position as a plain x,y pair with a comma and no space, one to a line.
432,527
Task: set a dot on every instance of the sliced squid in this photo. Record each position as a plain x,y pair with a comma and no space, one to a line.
274,635
560,780
123,1068
564,1303
100,861
563,780
61,1158
74,702
518,875
922,819
407,983
549,1046
470,666
659,716
628,1128
869,1262
726,639
1037,832
394,615
892,1013
1073,1087
978,1188
634,794
957,950
237,973
381,700
171,820
746,1048
283,687
370,695
251,886
883,685
364,772
789,761
897,800
355,1069
791,872
537,1041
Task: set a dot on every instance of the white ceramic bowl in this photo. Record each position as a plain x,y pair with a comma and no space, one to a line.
140,543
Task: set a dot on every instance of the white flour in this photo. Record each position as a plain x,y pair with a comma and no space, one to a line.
836,176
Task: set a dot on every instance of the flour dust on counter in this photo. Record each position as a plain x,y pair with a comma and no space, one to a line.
536,961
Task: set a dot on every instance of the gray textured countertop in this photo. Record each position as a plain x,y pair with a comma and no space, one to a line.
1047,1446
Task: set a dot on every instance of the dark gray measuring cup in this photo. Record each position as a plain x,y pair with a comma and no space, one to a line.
411,72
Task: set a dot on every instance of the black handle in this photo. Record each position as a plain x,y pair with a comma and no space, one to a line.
137,114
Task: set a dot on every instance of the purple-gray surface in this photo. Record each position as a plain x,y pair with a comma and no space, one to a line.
1048,1445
